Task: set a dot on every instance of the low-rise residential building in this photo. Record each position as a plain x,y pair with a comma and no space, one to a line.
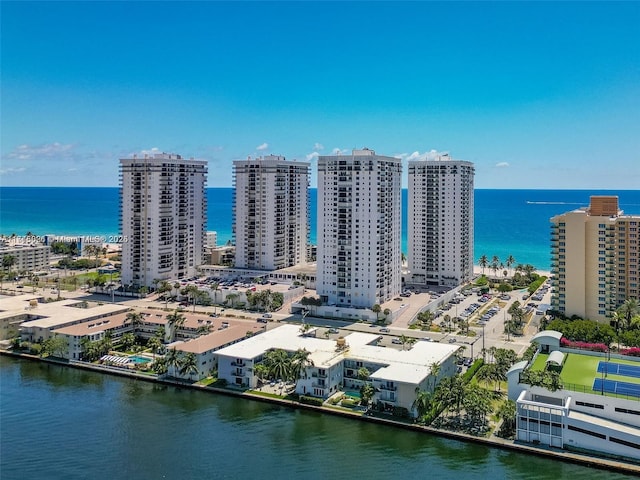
205,346
596,407
395,374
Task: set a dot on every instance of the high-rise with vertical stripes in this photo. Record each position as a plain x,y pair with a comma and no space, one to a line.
440,221
271,212
163,215
359,228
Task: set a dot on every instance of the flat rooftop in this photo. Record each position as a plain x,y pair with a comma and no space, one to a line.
409,366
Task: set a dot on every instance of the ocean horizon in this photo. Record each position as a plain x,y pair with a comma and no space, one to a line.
507,221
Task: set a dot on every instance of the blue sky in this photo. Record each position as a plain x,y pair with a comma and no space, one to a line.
537,95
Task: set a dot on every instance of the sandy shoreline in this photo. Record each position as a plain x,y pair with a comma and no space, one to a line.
477,269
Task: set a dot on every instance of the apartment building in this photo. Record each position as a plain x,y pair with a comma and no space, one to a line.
440,219
359,228
163,214
27,257
395,374
271,212
594,259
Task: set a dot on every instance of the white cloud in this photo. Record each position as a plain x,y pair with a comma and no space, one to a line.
312,156
264,146
35,152
72,169
318,146
337,151
502,164
9,171
150,151
430,155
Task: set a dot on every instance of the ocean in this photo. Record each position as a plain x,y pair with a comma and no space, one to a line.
507,222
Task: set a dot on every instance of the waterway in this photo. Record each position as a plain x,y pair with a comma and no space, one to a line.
63,423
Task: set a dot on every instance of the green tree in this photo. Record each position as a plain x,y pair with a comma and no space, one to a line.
450,393
8,261
507,413
127,340
627,311
299,363
55,346
435,372
278,363
189,364
484,262
363,373
477,403
510,261
175,321
261,372
172,359
376,309
154,344
367,391
423,402
134,319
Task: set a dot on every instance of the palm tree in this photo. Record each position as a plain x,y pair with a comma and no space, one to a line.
278,363
135,319
435,371
627,311
484,262
189,364
175,320
363,373
154,344
376,309
172,359
231,298
8,261
510,261
261,372
495,262
299,363
507,413
403,340
423,402
163,288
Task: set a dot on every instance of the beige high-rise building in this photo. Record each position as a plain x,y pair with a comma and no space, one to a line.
594,259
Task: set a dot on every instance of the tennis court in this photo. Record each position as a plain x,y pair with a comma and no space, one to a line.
619,369
613,386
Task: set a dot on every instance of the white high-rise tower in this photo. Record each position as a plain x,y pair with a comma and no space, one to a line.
271,212
440,219
359,228
163,214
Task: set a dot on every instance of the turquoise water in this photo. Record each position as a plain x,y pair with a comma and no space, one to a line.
352,393
137,359
60,423
507,222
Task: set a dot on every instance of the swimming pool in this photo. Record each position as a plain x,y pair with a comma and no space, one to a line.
352,393
139,359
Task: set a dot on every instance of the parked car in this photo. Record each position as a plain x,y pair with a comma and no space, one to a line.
396,340
385,330
267,315
262,320
333,330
